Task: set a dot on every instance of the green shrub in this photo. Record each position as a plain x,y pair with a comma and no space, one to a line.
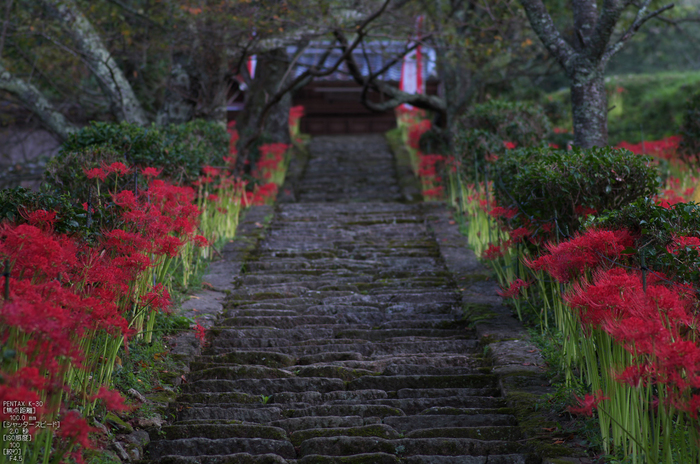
434,141
656,228
16,203
180,150
546,185
689,148
486,128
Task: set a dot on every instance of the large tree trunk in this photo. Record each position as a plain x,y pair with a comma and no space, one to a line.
125,105
589,104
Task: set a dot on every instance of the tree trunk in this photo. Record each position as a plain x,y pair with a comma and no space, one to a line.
589,104
178,106
271,69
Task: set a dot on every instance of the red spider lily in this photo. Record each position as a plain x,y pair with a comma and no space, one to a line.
158,298
118,168
683,242
200,333
201,241
151,172
504,213
415,131
587,403
509,145
585,251
75,429
40,218
665,148
494,251
434,193
295,114
669,198
96,172
517,235
514,289
112,399
211,171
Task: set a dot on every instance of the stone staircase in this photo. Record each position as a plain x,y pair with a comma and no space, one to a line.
344,340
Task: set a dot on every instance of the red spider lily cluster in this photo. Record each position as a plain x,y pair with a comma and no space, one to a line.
72,303
665,148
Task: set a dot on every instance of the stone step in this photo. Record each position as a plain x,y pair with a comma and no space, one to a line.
315,398
262,358
279,322
235,372
346,446
217,431
237,458
376,430
322,422
200,446
341,410
399,382
490,459
205,412
266,386
418,405
365,349
479,433
479,418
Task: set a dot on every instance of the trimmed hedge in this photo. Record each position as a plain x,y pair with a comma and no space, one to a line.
546,185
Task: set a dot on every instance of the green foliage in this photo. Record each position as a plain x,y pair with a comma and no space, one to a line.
71,218
434,141
485,129
545,185
180,150
656,228
689,148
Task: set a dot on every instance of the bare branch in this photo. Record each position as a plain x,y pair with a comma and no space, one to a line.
632,30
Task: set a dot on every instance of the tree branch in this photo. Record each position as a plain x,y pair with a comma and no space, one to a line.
544,27
398,97
32,99
636,25
313,72
91,48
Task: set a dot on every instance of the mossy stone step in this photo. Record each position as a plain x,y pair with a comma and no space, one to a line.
321,422
481,418
367,348
425,369
245,414
445,392
261,358
398,382
237,458
491,459
314,398
340,410
199,446
364,458
418,405
376,430
279,322
218,398
266,386
329,357
336,372
235,372
217,431
384,334
345,446
479,433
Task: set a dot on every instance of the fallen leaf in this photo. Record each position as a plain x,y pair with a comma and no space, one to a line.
193,297
531,351
451,222
559,442
207,284
549,429
258,225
